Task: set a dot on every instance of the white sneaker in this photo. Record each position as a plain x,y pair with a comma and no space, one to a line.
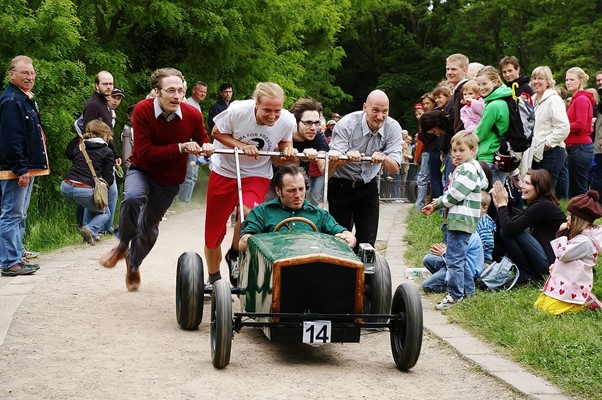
447,302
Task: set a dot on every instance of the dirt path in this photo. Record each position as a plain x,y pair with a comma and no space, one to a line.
78,333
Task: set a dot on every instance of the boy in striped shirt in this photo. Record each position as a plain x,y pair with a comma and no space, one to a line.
463,202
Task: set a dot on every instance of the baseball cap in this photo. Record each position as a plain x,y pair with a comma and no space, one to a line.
331,122
117,92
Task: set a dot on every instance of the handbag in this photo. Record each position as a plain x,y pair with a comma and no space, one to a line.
101,187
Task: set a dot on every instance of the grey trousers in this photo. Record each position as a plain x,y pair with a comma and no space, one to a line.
143,206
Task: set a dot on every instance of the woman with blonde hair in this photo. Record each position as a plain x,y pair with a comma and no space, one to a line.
579,146
78,185
551,125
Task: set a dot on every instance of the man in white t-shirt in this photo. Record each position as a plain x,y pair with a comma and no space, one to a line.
251,126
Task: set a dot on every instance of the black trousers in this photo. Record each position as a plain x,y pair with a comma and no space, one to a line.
355,203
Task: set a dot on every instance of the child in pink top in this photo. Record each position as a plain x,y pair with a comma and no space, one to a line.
474,104
569,287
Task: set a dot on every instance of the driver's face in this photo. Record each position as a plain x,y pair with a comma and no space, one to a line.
292,193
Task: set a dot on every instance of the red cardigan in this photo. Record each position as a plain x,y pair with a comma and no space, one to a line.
156,141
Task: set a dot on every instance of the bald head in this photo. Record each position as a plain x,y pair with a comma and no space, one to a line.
376,108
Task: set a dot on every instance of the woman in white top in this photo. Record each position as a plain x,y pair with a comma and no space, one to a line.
551,124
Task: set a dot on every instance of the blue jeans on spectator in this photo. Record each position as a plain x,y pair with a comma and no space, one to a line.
579,159
94,218
108,227
455,259
422,180
15,200
315,192
497,174
552,161
435,174
436,282
528,255
449,169
562,184
597,175
187,187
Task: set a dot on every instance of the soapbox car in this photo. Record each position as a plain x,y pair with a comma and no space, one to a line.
302,286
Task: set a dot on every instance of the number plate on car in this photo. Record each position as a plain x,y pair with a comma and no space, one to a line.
317,332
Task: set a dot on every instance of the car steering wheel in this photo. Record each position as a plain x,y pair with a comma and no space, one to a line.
293,219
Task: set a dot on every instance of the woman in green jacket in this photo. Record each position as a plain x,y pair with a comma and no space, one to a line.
495,119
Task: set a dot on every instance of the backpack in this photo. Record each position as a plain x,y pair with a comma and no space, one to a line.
499,275
522,121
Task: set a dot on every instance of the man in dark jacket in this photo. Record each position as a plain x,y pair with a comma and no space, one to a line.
22,157
510,69
225,92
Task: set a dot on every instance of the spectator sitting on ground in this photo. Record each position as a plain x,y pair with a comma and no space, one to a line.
435,263
568,288
290,188
486,228
530,251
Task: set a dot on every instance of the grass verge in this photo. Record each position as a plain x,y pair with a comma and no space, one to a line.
564,349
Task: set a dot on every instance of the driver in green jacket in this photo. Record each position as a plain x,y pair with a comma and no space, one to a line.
290,188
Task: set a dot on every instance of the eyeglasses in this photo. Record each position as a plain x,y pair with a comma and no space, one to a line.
26,73
173,91
310,123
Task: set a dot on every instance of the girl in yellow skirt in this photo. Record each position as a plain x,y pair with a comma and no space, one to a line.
569,287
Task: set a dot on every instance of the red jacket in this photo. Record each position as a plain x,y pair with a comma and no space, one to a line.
156,141
580,115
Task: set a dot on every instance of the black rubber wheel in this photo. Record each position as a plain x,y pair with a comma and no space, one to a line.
412,191
221,324
377,297
189,290
406,334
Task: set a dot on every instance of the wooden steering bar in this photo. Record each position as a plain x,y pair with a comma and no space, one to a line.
293,219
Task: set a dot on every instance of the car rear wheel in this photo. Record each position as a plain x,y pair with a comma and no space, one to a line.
221,324
406,332
189,290
377,299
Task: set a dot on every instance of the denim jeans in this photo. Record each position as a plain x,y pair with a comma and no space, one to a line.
15,200
435,174
497,174
315,192
94,218
436,282
552,161
455,259
422,179
597,175
579,159
528,255
562,184
192,174
108,227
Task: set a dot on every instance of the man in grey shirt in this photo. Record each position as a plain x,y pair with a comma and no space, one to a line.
353,188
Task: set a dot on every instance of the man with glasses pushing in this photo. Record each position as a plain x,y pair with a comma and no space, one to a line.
307,139
166,131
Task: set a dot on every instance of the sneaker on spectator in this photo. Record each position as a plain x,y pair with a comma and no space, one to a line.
447,302
30,254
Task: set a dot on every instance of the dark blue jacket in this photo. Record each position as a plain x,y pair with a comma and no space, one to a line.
21,138
219,106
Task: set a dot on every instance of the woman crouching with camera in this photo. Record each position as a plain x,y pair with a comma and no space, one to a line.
78,185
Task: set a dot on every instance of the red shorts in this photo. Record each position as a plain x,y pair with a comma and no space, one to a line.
222,197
